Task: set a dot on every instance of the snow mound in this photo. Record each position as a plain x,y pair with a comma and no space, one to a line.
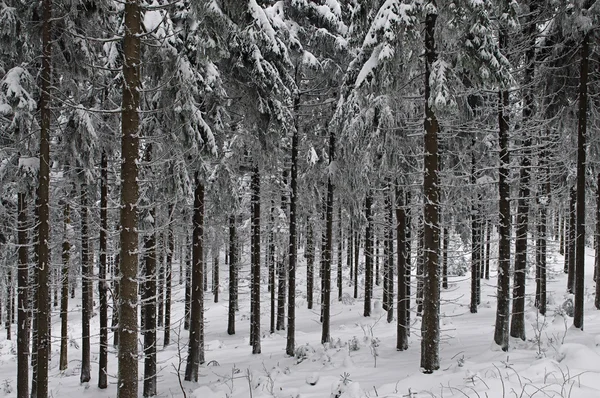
578,356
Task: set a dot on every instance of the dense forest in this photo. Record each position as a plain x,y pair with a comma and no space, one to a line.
288,155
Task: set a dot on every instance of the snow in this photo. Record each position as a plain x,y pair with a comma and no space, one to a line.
556,360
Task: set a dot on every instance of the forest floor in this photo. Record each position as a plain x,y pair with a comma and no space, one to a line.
556,360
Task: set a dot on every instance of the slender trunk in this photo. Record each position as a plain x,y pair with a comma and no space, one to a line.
597,245
196,342
169,278
350,251
271,265
232,277
340,250
215,275
561,236
310,263
356,259
581,169
408,275
149,302
474,235
388,282
487,249
368,253
281,296
64,299
571,242
420,264
503,289
430,328
86,291
127,383
22,303
188,285
446,241
159,258
326,304
115,289
293,249
376,258
255,264
401,321
103,361
43,194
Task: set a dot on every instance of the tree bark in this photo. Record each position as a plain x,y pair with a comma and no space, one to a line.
127,383
389,257
401,321
446,241
232,277
293,249
581,168
368,253
503,298
327,255
271,266
430,328
43,195
196,341
255,264
310,263
340,250
149,294
169,278
408,236
103,360
571,255
188,285
86,291
22,301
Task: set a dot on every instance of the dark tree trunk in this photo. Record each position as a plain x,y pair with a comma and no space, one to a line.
420,263
232,277
474,235
293,249
388,282
402,325
188,285
86,291
487,249
376,258
281,271
196,342
170,246
115,299
64,299
22,303
581,168
255,264
327,255
408,236
445,259
43,195
571,255
597,244
350,251
340,251
503,289
310,263
215,275
368,253
356,259
159,258
271,265
149,302
430,328
103,361
561,243
127,383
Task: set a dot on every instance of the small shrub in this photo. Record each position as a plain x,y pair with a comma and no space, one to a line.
354,344
303,352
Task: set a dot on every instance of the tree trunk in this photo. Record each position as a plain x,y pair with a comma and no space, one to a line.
597,244
43,194
255,264
401,321
356,259
487,249
271,266
408,236
64,299
310,263
571,255
326,304
169,278
389,255
127,383
446,241
86,291
420,264
196,341
430,328
340,250
503,289
215,274
22,303
103,361
188,285
293,249
350,250
581,168
149,302
474,234
159,258
368,253
232,277
115,299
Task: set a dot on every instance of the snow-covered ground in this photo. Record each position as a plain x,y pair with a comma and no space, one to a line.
555,361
